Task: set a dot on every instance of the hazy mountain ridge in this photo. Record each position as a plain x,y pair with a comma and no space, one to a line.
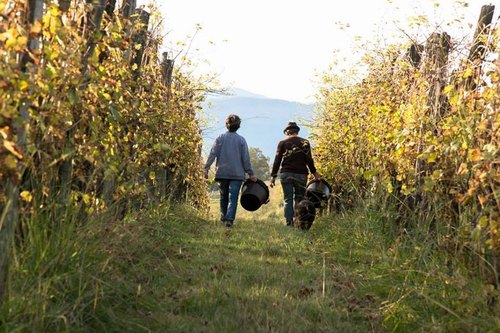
263,118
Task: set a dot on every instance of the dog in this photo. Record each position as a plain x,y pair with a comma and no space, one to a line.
304,214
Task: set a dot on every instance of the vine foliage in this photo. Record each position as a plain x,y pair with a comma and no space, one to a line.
421,135
99,110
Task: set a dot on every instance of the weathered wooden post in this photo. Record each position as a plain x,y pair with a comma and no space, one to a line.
478,49
167,67
437,50
9,214
94,25
110,7
140,20
414,54
128,8
64,5
66,168
435,67
483,26
139,39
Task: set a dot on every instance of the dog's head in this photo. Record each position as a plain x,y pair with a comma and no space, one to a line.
305,213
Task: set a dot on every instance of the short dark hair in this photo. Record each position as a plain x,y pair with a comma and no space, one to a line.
233,122
291,131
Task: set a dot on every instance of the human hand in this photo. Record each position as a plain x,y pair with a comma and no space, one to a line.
205,174
316,176
253,178
273,182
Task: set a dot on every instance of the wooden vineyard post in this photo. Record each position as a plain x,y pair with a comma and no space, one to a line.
415,54
489,267
64,5
478,48
110,7
9,214
140,21
128,8
139,39
94,25
167,67
66,167
437,49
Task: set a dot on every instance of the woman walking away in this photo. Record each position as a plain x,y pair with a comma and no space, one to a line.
230,151
294,156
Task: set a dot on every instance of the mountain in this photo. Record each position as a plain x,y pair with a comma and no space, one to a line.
262,119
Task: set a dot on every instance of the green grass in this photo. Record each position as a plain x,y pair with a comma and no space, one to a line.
169,270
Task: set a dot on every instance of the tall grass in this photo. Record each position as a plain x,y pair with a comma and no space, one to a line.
168,269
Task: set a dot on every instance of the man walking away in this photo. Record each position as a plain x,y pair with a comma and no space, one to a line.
294,157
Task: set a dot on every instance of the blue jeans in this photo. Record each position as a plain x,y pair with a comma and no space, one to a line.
294,188
229,192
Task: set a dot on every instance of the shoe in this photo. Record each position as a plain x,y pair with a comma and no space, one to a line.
229,223
289,223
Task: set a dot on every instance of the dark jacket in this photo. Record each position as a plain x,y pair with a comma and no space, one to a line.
294,155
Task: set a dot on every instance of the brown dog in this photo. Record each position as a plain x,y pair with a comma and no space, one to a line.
304,214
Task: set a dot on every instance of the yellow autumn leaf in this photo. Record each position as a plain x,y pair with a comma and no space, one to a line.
8,35
431,158
482,199
447,89
5,132
86,198
462,169
54,11
23,85
36,28
11,146
26,196
467,73
474,154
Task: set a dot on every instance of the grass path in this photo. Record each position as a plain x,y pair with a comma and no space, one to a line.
167,269
346,274
261,276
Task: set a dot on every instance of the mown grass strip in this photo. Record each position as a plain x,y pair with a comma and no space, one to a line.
168,269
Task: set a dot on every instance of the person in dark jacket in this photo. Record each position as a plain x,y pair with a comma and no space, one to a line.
294,157
230,151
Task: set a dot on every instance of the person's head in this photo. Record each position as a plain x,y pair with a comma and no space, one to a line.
233,122
291,128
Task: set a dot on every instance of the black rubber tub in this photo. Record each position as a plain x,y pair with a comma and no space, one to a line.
254,195
318,191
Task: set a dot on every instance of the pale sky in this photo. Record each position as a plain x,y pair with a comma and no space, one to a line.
276,47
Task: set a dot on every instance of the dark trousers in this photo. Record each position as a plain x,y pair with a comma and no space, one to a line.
294,188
